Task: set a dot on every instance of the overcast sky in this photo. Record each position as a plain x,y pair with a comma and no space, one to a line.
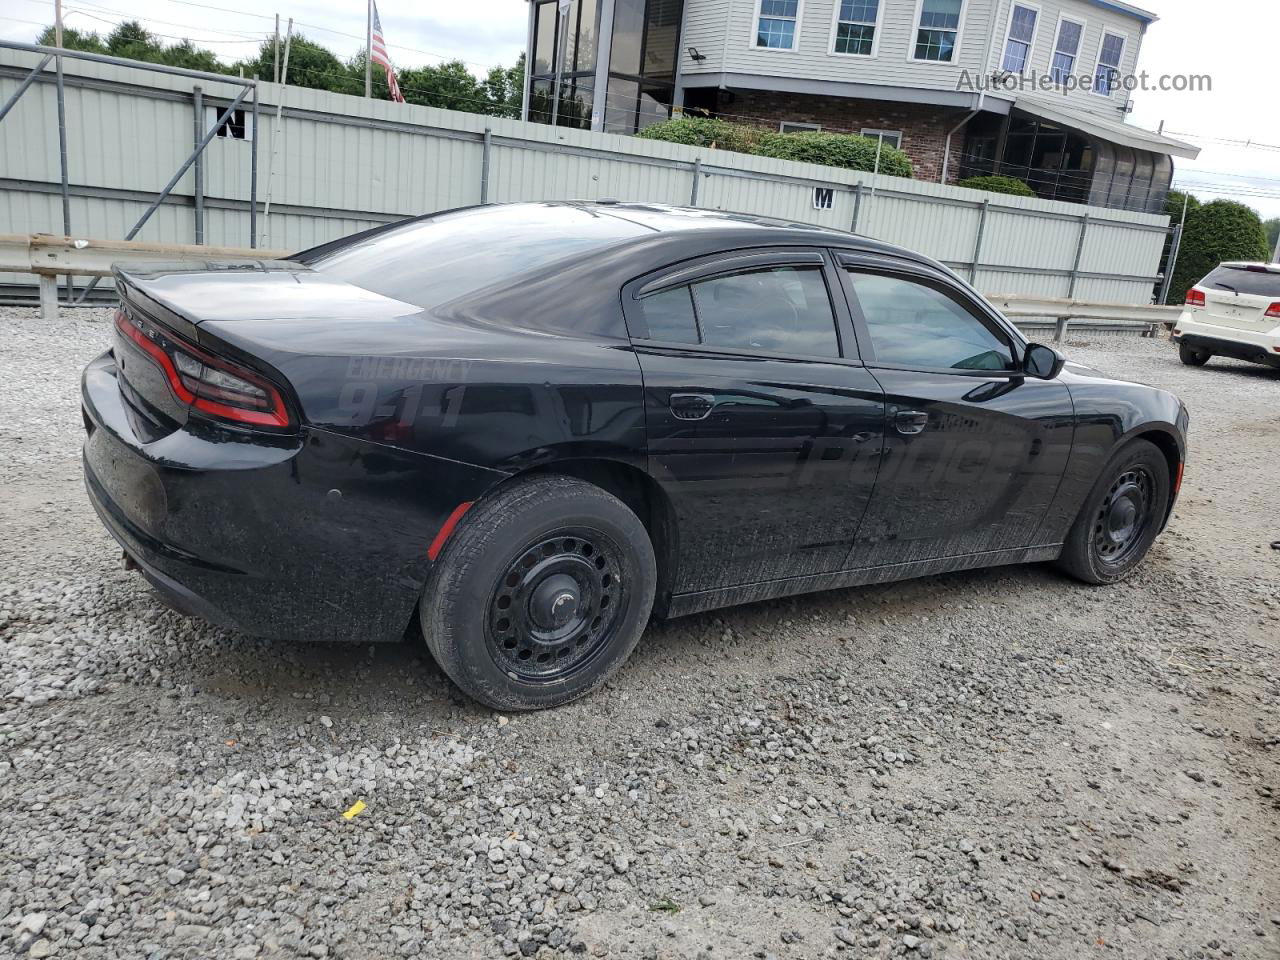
1233,41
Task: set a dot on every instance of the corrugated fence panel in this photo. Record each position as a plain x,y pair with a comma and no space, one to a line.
343,164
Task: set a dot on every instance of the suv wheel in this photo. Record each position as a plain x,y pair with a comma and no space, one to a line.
1193,356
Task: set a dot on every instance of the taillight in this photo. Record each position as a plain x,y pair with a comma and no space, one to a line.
1273,311
209,384
1195,298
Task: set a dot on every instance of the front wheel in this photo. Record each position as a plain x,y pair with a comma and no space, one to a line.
1193,356
1120,519
540,595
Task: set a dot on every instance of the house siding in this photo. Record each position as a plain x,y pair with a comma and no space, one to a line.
723,31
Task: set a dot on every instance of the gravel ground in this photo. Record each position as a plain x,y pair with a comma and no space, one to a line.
986,764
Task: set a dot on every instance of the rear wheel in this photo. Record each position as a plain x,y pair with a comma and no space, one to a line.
1120,519
1193,356
540,595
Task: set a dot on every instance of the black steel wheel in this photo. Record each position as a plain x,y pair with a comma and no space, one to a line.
556,606
541,593
1121,517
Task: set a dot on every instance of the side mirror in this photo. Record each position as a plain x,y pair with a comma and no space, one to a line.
1041,362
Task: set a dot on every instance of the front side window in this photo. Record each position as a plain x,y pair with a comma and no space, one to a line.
1022,34
781,309
914,324
939,26
1065,50
776,25
856,27
1106,76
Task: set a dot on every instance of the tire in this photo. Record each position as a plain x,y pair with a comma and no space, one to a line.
1121,517
1193,356
540,595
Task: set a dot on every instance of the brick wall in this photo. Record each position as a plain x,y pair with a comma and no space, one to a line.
924,128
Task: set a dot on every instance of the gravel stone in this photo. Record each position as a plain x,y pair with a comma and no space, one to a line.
902,768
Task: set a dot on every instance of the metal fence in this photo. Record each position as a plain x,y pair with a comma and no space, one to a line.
344,163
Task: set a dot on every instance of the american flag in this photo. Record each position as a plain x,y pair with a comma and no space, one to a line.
378,54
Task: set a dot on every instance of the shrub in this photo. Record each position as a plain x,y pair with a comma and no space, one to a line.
1217,231
705,132
836,150
997,184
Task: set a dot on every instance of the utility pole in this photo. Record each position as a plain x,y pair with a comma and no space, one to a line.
275,53
368,51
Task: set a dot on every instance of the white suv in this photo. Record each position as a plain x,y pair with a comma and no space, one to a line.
1233,312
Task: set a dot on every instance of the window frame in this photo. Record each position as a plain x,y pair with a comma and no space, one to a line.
798,127
1008,35
875,36
795,36
881,134
1097,62
686,272
960,293
1057,35
914,37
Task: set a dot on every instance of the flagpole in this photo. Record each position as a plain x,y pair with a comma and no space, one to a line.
368,51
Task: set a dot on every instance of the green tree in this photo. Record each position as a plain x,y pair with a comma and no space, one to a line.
1272,227
72,39
1215,232
503,87
310,65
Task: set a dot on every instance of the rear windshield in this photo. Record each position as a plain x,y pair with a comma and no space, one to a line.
433,261
1243,280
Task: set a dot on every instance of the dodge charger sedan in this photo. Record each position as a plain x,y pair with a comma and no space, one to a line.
533,426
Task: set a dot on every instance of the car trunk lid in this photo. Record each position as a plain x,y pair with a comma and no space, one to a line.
1242,297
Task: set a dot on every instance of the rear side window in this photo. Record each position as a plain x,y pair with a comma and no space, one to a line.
784,309
914,324
431,262
1256,282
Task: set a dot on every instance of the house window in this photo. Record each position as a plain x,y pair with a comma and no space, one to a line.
1021,36
776,25
786,127
1065,50
888,138
1106,76
938,30
856,27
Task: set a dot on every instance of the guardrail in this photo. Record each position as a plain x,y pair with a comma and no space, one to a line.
49,256
1063,311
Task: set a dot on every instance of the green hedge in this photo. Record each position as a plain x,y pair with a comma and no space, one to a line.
829,149
705,132
997,184
1215,232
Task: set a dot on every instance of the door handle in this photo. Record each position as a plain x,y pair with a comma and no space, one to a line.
691,406
910,422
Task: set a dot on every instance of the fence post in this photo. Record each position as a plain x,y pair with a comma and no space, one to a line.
1060,331
697,177
62,157
1167,280
485,156
1075,267
977,241
197,127
857,206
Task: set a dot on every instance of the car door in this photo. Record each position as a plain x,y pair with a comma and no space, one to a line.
764,429
974,450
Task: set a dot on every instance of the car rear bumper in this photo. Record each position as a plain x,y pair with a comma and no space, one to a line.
313,536
1251,345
